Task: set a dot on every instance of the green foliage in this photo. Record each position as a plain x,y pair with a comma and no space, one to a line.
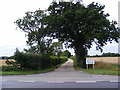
81,26
66,53
32,61
101,68
12,70
101,71
104,68
57,60
52,49
73,58
9,68
74,24
74,62
36,61
26,72
56,48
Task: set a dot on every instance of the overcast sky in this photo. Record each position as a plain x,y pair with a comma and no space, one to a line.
11,10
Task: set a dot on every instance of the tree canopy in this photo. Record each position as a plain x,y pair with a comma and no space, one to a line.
71,23
66,53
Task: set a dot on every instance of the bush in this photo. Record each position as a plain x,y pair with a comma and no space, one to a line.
9,68
73,58
36,61
57,60
32,61
63,59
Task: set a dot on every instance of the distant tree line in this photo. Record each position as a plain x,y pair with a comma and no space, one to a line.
65,53
106,55
6,57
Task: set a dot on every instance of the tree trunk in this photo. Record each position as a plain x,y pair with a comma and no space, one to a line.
81,53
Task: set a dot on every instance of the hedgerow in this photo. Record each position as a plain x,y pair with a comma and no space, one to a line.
36,61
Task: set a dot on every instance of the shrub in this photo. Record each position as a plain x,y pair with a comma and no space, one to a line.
57,60
31,61
63,59
10,68
36,61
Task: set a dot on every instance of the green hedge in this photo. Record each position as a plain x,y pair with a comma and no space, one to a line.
57,60
32,61
9,68
36,61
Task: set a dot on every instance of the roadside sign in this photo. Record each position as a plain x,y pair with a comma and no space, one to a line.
90,62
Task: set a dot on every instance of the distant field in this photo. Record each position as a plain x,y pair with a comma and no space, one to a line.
2,61
111,60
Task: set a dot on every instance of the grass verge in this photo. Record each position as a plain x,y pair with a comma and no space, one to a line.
102,69
27,72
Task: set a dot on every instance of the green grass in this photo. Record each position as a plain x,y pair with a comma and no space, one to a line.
25,72
102,69
115,65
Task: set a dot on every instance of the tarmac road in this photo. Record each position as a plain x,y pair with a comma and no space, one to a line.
63,77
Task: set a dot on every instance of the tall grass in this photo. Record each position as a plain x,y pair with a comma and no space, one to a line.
102,65
100,68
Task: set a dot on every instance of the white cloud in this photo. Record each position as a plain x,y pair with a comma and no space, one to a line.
9,50
113,48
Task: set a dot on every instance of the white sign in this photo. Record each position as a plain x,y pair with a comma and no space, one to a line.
90,61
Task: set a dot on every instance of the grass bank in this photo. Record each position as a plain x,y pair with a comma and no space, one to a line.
100,68
102,71
27,72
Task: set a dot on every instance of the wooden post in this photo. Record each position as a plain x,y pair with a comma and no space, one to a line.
93,66
87,66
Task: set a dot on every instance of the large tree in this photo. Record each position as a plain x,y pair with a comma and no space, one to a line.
74,24
81,25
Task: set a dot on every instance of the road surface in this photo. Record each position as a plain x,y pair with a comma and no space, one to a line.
63,77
